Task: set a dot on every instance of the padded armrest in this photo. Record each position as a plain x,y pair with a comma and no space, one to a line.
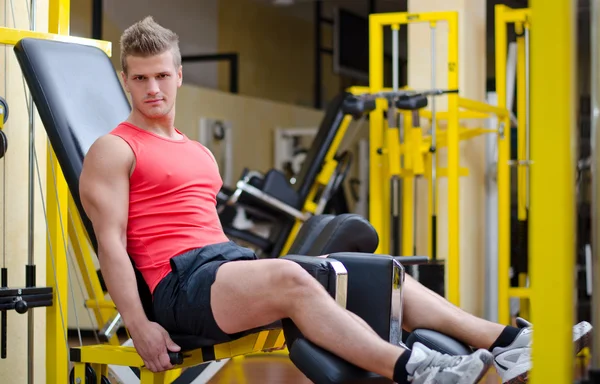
374,291
323,367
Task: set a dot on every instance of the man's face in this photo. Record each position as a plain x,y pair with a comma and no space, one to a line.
152,82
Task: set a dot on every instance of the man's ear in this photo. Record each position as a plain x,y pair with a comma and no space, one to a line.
124,78
180,76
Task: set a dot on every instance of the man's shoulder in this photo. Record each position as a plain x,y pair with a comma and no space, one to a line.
110,146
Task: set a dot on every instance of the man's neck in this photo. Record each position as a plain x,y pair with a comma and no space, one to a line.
164,126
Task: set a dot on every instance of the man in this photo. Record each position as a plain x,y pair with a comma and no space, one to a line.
150,193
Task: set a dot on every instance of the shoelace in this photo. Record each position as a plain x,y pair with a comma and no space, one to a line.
444,361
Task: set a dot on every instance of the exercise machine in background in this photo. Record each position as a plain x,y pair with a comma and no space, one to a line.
407,150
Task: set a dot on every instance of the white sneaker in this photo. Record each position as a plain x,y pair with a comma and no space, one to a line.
426,366
513,362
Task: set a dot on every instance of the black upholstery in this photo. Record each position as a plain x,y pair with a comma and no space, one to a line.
79,98
308,234
345,233
369,288
321,366
438,342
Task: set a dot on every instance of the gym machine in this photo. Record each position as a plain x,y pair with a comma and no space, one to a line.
521,19
401,152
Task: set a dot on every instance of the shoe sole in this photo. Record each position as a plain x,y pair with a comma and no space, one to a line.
488,362
581,342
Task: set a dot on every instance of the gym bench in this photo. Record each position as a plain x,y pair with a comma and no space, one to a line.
77,108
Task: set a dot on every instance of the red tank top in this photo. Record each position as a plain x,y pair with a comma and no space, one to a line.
172,200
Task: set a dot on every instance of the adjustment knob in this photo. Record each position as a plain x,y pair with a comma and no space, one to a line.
21,306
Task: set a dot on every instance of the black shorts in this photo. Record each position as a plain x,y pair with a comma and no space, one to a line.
181,301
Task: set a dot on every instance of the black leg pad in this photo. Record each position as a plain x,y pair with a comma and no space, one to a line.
322,367
438,342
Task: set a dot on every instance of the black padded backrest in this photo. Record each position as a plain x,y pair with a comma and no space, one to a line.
308,233
321,144
347,232
79,98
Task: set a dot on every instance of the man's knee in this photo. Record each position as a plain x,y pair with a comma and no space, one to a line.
292,282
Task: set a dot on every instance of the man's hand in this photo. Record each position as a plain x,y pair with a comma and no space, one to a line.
153,343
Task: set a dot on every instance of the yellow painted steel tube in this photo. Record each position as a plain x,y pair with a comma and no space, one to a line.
10,36
552,215
379,177
57,273
503,171
453,260
521,125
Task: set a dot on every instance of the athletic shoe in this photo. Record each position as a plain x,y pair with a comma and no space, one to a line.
426,366
513,362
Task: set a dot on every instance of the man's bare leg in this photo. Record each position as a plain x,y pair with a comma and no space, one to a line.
424,308
249,294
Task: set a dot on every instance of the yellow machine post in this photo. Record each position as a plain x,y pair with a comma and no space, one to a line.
503,172
453,260
379,195
57,267
521,18
552,211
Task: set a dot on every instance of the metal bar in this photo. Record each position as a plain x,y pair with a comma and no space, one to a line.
379,201
11,36
394,151
521,125
31,227
474,105
453,258
595,156
273,202
527,109
209,57
318,10
390,18
433,149
56,260
503,171
552,216
97,16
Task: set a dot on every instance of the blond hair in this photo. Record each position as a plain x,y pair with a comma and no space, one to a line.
148,38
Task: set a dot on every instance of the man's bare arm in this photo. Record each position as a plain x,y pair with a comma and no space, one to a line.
104,190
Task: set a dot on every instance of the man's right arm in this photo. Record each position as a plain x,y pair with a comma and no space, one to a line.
104,192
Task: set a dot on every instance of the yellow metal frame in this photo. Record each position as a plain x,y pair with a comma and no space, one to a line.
521,18
386,153
322,179
100,356
57,206
552,215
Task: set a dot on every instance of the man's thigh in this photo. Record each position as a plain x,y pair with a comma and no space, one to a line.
248,294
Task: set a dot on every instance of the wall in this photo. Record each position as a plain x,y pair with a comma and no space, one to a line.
14,202
195,21
276,53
